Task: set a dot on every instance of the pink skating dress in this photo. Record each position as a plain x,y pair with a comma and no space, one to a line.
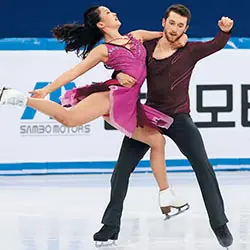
126,112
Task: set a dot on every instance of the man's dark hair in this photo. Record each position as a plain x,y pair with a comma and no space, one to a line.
179,9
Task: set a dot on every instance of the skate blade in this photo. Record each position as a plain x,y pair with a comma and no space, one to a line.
180,210
1,92
108,243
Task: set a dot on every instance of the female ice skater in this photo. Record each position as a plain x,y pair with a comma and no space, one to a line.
120,104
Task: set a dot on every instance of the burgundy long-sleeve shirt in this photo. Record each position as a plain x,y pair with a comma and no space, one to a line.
168,79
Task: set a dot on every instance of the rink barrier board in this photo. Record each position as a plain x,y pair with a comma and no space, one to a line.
102,167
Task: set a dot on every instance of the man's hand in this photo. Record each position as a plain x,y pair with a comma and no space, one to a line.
225,24
181,42
125,80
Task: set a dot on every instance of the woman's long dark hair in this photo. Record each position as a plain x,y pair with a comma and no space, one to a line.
78,36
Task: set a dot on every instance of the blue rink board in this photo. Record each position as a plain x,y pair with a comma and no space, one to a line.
107,167
52,44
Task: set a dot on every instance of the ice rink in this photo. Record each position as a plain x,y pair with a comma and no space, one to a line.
62,212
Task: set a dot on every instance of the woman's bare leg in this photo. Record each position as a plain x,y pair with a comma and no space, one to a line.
85,111
156,141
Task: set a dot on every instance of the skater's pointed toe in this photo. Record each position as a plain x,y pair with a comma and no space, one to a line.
12,97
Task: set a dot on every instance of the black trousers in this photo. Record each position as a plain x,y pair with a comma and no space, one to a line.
187,137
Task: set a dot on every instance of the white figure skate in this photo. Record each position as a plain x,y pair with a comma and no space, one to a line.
12,97
168,202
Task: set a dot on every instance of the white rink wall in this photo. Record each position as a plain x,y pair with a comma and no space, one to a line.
34,143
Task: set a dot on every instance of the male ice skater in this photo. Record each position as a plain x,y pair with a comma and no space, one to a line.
168,77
